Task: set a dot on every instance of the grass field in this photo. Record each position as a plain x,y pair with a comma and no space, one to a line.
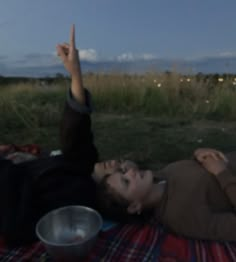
138,118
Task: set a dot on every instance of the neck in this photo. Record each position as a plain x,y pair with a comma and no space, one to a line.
155,196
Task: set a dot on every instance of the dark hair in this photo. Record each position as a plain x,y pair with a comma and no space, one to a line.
114,206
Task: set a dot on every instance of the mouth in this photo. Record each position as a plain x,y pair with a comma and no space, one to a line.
104,164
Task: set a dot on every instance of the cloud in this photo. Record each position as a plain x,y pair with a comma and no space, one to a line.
129,57
89,55
147,57
36,60
226,54
52,59
125,57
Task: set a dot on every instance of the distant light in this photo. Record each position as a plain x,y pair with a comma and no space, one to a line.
154,81
159,85
188,80
181,80
220,79
207,101
234,83
235,79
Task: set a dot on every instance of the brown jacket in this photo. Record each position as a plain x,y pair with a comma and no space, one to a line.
197,204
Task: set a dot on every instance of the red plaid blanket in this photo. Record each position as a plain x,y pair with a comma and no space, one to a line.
136,243
12,148
131,243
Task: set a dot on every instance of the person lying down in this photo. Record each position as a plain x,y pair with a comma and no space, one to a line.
194,198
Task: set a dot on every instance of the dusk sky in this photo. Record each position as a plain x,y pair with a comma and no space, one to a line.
116,30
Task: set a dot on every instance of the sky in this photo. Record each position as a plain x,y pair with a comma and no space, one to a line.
121,30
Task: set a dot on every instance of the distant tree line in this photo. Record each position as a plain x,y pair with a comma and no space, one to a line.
9,80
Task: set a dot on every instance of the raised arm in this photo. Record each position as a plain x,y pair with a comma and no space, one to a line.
70,58
216,163
76,134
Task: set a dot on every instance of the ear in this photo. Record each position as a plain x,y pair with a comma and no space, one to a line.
134,207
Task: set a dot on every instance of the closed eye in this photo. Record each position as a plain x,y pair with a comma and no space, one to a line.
120,160
125,181
121,170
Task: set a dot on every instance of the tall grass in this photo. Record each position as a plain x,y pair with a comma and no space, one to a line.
159,95
30,113
164,95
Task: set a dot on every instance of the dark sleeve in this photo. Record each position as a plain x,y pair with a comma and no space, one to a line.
57,190
76,134
16,196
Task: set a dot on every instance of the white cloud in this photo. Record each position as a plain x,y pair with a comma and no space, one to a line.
147,57
127,57
227,54
89,55
38,60
51,59
35,60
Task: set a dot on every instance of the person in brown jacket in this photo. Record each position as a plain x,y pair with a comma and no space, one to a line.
187,198
194,198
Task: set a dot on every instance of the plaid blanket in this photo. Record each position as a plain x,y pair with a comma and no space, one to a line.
135,243
129,243
8,149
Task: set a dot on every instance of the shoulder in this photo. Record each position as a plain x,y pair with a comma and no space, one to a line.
232,160
183,166
186,176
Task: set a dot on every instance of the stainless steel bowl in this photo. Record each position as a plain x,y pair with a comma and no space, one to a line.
69,233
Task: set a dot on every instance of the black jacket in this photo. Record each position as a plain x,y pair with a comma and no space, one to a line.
31,189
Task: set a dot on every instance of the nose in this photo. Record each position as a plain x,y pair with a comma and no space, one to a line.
114,163
131,172
110,164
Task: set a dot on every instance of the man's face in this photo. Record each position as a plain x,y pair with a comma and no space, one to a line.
107,167
125,178
131,183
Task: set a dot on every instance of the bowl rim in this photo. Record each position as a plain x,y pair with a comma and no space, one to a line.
45,241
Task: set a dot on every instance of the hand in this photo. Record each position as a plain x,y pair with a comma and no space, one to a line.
69,54
18,157
212,160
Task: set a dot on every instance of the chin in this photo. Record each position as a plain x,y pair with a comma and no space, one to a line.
149,173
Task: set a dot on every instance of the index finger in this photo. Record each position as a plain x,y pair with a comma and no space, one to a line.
72,36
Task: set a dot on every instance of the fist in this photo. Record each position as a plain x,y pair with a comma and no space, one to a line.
212,160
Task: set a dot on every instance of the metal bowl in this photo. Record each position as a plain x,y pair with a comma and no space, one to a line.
68,233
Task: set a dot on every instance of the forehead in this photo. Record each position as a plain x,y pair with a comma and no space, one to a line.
115,182
113,165
129,163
